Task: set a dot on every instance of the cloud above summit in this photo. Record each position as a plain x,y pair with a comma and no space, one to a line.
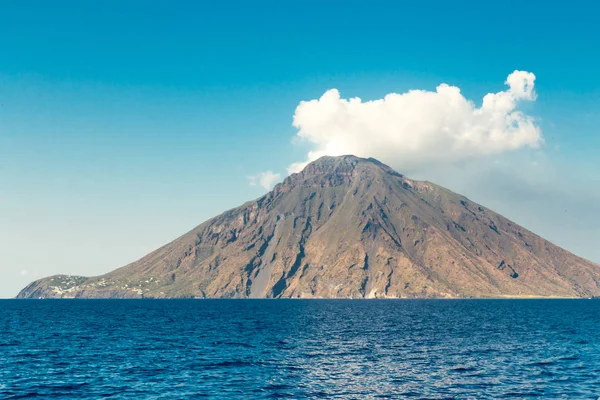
419,127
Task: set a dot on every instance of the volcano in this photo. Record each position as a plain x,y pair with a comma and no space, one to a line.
346,227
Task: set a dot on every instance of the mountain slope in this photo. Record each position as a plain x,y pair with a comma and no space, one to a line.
352,228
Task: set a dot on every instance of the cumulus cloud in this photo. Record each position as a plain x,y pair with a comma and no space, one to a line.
266,179
419,127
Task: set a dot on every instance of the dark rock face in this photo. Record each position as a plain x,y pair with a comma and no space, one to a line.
347,227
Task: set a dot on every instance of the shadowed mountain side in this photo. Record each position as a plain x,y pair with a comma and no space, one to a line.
346,227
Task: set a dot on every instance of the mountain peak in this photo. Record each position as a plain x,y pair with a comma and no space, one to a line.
330,171
343,163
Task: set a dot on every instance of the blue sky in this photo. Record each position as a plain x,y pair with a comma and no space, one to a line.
125,124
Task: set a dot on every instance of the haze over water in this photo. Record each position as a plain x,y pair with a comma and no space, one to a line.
174,349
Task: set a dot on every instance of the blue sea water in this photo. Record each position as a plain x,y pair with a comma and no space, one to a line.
180,349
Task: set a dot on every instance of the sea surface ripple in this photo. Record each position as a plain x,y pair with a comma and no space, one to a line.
188,349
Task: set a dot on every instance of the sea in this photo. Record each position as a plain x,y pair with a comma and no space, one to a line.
300,349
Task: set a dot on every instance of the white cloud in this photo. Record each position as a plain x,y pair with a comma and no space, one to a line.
419,127
24,272
266,179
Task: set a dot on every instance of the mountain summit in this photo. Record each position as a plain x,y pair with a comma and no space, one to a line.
346,227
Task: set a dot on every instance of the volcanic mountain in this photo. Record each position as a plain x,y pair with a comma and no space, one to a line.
346,227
